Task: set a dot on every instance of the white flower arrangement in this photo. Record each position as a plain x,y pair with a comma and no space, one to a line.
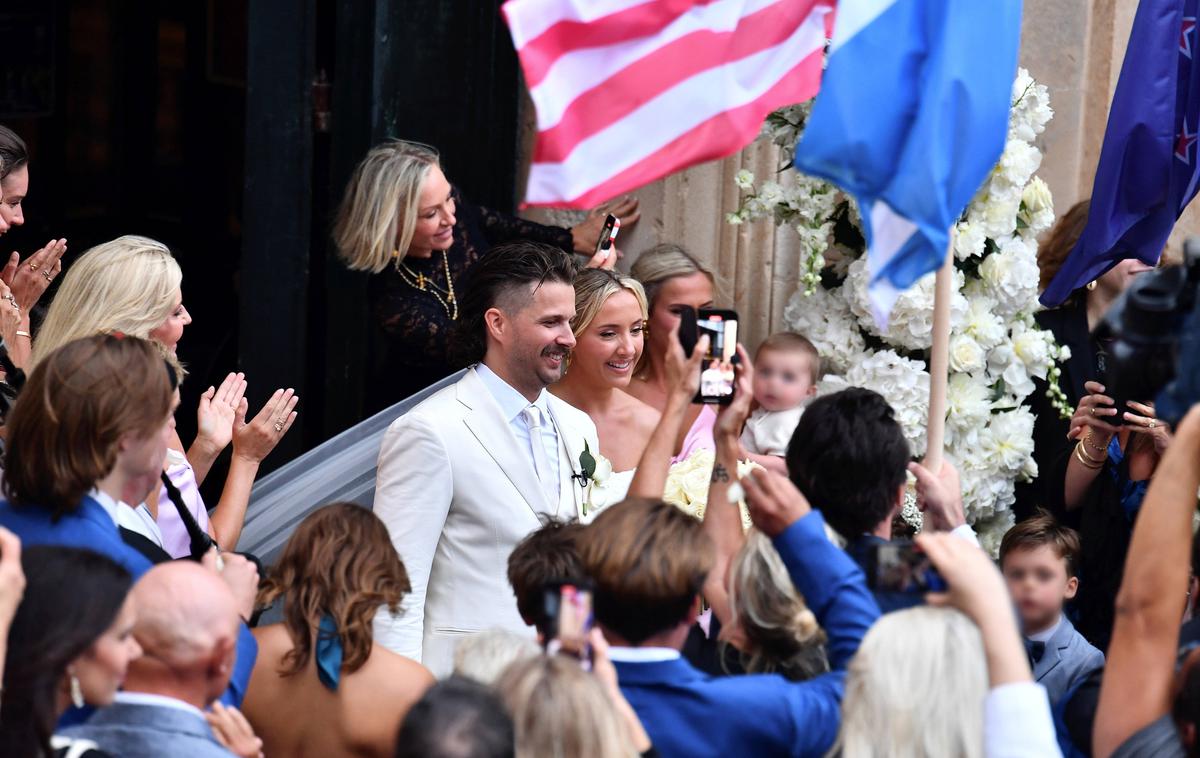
996,348
688,480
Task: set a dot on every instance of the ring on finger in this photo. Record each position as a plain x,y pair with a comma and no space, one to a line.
279,426
1151,424
48,275
32,266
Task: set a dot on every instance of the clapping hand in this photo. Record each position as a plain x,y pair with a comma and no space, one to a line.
218,411
233,731
30,278
254,440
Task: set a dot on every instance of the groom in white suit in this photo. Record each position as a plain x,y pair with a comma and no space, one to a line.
468,473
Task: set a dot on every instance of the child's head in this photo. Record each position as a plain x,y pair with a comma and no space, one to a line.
1038,558
786,370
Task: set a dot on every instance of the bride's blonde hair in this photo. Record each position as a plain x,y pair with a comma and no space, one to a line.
128,285
593,288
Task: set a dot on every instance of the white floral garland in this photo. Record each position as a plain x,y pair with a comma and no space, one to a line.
996,348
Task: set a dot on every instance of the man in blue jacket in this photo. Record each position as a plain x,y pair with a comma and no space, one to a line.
648,561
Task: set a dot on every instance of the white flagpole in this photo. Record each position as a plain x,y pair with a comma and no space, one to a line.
939,361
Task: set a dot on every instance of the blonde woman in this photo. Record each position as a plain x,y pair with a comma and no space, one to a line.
401,220
559,709
131,285
673,280
609,327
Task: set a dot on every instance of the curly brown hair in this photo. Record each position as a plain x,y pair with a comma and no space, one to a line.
340,563
1060,241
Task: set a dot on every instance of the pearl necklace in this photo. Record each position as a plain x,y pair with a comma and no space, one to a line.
419,281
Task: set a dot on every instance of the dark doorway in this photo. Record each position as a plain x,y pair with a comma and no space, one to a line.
227,129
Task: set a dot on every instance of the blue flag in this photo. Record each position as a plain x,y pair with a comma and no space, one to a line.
1148,169
911,117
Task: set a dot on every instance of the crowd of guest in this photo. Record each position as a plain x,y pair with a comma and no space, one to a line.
519,586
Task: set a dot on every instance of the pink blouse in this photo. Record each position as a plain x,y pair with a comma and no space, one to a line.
700,436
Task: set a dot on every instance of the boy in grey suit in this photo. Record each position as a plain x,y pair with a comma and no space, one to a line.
1038,558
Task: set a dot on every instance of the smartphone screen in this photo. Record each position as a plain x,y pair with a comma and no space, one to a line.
608,234
570,606
899,567
717,369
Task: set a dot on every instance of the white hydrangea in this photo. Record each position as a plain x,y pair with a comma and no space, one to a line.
996,348
903,382
1010,276
824,317
910,324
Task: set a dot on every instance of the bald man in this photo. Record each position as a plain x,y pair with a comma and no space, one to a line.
187,625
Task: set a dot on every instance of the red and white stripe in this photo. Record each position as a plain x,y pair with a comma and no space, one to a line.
628,91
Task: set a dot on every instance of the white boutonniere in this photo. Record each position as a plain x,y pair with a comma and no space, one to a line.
594,472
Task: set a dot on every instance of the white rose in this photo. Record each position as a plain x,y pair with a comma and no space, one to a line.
965,354
1036,196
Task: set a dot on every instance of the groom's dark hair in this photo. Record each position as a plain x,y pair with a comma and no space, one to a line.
502,278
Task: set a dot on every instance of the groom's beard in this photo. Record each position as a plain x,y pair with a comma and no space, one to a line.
548,373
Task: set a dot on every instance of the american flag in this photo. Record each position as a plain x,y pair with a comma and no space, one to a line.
628,91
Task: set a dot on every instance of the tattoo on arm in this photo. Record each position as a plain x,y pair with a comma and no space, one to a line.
720,473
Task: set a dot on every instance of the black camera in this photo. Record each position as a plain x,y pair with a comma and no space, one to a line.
1150,341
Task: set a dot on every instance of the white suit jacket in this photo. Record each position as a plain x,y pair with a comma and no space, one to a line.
457,493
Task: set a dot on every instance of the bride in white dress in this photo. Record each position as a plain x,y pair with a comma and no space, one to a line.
610,330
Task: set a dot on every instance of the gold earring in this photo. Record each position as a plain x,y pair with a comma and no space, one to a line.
1091,285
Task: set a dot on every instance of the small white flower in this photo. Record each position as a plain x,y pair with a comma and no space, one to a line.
966,355
744,180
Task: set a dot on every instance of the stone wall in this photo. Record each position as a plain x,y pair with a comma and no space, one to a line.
1074,47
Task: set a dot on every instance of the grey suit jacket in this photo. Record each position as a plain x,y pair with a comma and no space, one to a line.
149,731
1067,660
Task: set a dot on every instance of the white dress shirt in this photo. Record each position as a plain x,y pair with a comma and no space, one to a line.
642,654
1044,636
511,404
123,515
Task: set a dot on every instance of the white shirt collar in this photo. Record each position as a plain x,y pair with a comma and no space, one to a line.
642,654
161,701
510,401
109,505
1045,636
138,519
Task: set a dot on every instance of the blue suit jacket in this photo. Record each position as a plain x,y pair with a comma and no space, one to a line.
149,731
1068,659
688,713
90,527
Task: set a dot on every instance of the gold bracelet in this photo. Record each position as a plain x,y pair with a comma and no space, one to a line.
1088,441
1098,461
1087,462
24,334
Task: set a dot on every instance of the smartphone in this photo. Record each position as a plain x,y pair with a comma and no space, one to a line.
717,368
900,567
608,234
568,606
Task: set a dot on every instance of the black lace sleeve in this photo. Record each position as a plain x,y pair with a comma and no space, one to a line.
500,227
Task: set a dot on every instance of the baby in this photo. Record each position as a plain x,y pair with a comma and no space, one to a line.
786,370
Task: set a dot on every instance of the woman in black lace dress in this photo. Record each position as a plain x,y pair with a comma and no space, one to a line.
402,220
